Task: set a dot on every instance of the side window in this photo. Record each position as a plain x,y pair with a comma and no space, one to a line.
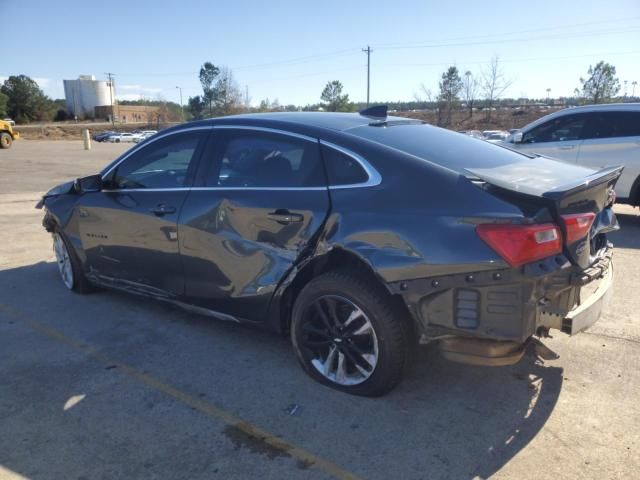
162,164
252,158
562,129
342,169
625,124
613,125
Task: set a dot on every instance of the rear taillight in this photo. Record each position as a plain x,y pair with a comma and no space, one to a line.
577,225
520,244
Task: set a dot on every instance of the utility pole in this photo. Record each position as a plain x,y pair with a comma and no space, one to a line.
368,52
625,90
113,113
633,90
181,107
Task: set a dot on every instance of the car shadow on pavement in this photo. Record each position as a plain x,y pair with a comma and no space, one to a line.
629,234
445,420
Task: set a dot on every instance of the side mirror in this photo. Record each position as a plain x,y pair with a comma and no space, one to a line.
92,183
517,137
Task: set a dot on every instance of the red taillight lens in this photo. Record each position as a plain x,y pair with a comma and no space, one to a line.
520,244
577,225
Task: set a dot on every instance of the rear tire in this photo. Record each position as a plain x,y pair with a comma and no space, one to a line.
69,265
5,140
348,334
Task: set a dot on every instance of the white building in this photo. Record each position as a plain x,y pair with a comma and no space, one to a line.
86,93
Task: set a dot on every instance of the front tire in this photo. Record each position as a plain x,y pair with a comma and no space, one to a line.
347,334
69,265
5,140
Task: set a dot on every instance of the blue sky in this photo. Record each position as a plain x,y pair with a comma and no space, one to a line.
288,50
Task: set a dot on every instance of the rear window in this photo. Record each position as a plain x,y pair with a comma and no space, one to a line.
342,169
444,147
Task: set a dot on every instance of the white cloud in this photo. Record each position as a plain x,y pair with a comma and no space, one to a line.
42,82
129,96
139,88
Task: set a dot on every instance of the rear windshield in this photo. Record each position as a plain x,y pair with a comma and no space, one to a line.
444,147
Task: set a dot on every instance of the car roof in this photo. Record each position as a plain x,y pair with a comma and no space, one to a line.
606,107
327,120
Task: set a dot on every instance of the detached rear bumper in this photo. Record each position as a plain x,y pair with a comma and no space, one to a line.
588,312
486,317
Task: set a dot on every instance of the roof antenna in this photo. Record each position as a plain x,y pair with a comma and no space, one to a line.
378,112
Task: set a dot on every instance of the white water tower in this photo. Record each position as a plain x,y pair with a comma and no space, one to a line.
86,93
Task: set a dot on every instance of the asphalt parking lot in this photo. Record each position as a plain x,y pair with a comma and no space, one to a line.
113,386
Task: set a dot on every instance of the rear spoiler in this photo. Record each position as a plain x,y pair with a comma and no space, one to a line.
545,180
605,175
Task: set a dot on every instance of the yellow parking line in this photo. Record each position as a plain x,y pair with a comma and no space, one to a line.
210,410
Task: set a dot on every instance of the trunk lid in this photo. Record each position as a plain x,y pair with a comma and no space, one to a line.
565,189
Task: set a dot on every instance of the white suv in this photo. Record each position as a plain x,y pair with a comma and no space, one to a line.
594,136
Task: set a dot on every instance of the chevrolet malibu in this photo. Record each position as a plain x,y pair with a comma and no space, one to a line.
357,235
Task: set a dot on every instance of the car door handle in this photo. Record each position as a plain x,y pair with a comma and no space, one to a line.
162,209
285,217
567,147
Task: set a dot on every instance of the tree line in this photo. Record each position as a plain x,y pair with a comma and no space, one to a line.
22,99
486,89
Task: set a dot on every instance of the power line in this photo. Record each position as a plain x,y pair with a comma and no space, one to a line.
514,60
421,44
511,40
514,32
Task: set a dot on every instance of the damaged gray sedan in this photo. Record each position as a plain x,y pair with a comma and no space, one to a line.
357,235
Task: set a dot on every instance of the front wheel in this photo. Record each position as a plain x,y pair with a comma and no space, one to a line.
5,140
348,335
69,266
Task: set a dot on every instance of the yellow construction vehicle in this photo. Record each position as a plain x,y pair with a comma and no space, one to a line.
7,134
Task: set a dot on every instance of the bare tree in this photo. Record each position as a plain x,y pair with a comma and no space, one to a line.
424,95
469,90
227,96
494,83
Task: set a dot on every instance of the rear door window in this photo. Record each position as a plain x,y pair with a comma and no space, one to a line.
259,159
342,169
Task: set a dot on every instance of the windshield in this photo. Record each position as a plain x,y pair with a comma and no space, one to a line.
444,147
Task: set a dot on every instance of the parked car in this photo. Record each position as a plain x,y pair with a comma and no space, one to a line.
144,135
358,236
473,133
123,137
487,133
590,136
104,136
497,137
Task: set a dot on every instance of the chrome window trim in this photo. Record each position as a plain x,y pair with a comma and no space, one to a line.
154,138
168,189
268,130
261,188
375,178
181,189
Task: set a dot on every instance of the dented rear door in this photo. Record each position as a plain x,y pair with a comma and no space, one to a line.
261,201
